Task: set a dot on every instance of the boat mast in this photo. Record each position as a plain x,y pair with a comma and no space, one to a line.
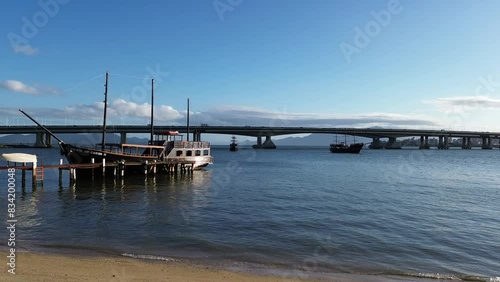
105,107
152,109
187,120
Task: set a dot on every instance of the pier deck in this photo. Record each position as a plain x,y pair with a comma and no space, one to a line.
103,169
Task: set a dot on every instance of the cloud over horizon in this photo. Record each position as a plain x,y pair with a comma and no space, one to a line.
262,117
463,103
121,111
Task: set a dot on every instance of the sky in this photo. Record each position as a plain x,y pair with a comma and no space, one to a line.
322,63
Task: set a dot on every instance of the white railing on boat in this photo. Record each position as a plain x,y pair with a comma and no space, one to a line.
191,145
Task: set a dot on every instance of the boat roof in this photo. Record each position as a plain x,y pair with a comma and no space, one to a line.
166,132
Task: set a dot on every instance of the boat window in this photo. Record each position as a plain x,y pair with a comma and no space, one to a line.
189,153
205,152
198,152
179,153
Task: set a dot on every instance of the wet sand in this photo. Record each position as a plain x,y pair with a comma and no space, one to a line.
57,267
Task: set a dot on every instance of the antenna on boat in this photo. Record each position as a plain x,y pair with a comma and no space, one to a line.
105,106
152,107
187,121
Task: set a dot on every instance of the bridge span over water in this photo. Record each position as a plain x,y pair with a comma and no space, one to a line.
444,136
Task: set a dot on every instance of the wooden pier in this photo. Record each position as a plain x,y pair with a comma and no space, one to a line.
102,169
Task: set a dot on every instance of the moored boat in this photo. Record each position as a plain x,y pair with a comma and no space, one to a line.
19,157
233,147
354,148
167,147
342,147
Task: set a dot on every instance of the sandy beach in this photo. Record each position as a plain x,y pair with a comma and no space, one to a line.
57,267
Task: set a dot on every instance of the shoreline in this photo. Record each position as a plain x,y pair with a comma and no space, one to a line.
39,266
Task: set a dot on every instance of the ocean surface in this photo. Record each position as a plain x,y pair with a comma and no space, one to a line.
299,211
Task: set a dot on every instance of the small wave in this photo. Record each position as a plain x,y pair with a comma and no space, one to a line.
148,257
439,276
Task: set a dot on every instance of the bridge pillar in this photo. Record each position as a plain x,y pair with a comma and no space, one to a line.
487,143
123,138
392,144
40,139
197,136
48,140
259,141
376,144
466,143
424,142
268,144
443,142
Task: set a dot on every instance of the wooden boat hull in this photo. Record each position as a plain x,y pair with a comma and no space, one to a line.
79,155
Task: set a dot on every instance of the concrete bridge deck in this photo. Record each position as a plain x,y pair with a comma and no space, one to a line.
262,131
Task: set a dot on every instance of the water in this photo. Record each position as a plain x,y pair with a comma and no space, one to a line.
420,213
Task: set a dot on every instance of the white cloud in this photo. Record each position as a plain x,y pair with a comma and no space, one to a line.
464,103
124,112
37,89
26,50
119,111
18,86
236,115
122,108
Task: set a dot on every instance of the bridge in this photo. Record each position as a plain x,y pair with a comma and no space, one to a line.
376,134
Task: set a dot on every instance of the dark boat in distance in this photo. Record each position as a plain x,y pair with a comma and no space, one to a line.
354,148
342,147
233,147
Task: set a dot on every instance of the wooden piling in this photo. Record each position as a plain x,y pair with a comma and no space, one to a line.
23,177
122,168
60,172
72,175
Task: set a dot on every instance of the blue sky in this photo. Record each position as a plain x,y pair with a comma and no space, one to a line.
423,64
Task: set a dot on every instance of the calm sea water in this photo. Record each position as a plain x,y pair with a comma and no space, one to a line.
422,213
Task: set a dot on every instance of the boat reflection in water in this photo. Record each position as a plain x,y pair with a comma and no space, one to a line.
136,185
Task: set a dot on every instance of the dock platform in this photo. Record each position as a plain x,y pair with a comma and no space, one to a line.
104,169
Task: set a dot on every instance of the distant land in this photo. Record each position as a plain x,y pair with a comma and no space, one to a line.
318,140
82,139
310,140
315,139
